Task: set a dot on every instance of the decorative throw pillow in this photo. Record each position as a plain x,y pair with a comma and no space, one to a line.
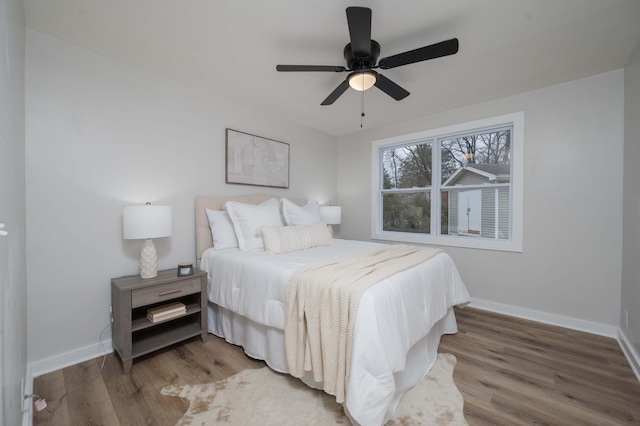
284,239
222,232
296,215
247,220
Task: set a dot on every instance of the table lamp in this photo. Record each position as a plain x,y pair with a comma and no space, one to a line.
144,223
331,215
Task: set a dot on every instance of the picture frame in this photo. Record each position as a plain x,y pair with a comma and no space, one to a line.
254,160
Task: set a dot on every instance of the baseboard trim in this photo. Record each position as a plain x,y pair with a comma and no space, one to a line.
67,359
546,318
630,353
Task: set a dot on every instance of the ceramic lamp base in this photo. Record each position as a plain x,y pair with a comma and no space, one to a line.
148,260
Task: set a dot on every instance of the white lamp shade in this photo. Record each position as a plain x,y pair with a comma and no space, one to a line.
331,215
144,222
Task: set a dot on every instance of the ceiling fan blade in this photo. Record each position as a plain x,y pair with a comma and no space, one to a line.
390,88
310,68
336,93
359,20
444,48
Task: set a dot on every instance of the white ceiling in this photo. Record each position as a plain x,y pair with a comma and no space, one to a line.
231,48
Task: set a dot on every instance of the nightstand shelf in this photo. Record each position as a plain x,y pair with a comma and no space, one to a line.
133,334
149,342
140,321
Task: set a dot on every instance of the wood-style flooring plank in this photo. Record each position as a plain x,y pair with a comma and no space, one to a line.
509,371
88,402
513,361
135,398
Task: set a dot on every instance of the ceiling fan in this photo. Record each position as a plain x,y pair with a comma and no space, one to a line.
361,55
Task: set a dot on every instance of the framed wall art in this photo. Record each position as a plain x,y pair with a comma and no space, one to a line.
254,160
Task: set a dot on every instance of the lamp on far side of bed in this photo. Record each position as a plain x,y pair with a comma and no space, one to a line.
331,215
144,223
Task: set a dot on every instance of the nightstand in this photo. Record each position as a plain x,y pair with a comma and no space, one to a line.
133,334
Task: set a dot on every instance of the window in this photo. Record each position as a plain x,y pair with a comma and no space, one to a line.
456,186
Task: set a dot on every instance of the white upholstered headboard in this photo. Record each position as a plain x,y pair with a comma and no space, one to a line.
203,232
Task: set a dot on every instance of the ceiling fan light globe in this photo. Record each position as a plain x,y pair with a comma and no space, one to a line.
362,80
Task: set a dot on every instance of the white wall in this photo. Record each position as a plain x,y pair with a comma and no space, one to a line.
13,295
102,135
631,217
571,263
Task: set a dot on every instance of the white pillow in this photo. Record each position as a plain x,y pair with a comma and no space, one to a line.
222,232
247,220
284,239
296,215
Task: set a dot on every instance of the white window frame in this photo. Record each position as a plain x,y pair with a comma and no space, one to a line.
514,243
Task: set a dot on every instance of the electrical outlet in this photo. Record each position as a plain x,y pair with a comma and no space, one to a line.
626,319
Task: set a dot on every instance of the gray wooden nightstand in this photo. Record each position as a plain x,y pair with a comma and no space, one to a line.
133,334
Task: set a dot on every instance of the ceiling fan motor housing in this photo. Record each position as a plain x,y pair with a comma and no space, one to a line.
362,61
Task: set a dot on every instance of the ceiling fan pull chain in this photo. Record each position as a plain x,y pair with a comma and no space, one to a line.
361,108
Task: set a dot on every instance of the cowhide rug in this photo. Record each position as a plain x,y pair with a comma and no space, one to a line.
263,397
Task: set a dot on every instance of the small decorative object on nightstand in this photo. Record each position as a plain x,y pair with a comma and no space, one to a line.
139,327
185,268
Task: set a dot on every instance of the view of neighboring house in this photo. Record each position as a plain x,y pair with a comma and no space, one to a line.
478,201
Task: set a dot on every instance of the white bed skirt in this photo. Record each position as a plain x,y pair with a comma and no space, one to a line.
267,343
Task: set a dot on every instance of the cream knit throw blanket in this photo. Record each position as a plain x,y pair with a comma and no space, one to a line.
322,304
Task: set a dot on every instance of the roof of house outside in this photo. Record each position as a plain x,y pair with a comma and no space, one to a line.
494,172
495,169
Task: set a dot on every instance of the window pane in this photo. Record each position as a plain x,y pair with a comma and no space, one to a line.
476,159
477,213
407,166
407,212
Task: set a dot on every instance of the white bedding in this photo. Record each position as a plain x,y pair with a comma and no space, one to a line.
392,326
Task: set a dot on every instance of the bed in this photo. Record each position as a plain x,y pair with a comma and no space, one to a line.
397,329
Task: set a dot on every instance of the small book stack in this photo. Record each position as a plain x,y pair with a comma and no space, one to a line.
166,312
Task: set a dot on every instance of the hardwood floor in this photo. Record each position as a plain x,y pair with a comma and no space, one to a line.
510,372
513,371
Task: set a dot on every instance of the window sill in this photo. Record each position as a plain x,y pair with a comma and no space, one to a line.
450,241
